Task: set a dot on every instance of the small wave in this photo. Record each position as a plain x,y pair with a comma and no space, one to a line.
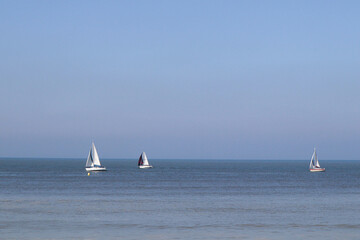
348,226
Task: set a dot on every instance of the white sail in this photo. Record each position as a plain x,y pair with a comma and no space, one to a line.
89,161
93,161
312,161
95,156
316,161
145,160
317,164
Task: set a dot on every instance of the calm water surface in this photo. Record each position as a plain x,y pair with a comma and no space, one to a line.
179,199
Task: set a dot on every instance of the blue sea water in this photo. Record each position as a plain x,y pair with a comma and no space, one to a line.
179,199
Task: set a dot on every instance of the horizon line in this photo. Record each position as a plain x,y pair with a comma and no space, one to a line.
199,159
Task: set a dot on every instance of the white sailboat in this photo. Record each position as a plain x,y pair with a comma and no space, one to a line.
143,161
314,164
93,161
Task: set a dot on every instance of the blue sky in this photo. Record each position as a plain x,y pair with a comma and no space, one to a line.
180,79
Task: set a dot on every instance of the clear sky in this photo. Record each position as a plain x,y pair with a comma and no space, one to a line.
180,79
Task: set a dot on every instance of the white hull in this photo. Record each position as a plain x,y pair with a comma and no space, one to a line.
317,169
145,166
95,169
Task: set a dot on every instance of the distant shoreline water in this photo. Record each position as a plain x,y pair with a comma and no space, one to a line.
186,199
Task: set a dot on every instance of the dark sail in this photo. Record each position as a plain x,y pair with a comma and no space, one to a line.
140,162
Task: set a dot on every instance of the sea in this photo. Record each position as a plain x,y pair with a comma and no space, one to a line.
179,199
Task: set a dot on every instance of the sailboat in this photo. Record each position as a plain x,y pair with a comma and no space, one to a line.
93,161
314,164
143,161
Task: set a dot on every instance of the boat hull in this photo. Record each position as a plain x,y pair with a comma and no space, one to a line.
145,166
317,169
95,169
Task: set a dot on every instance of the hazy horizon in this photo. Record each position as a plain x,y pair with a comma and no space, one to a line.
166,159
186,79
